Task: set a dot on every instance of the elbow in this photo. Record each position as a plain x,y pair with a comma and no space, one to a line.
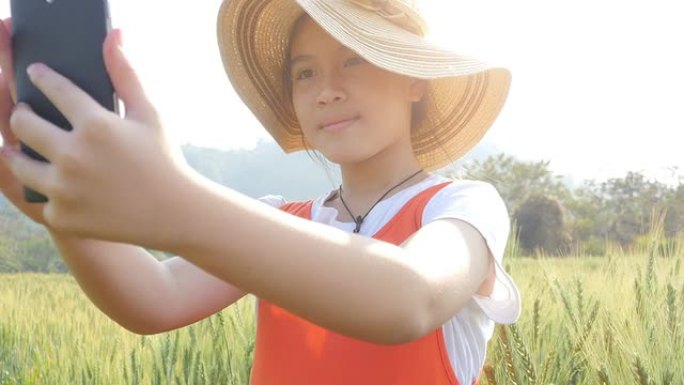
422,316
144,330
413,320
419,324
144,326
149,329
405,337
403,330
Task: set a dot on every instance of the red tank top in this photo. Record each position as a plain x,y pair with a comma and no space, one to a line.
290,350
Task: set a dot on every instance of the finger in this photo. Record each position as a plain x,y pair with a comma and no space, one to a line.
74,103
29,172
6,105
6,64
125,80
36,132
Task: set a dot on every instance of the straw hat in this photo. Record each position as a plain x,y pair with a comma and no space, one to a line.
464,96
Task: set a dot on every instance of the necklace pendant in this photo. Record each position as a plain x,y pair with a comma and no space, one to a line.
359,221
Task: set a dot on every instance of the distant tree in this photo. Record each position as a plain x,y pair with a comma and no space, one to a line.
541,225
674,219
618,209
25,245
627,205
517,180
585,213
39,255
8,263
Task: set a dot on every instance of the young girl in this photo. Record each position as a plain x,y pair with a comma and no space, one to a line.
395,277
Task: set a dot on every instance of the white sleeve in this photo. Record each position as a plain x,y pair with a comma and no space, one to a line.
274,201
479,204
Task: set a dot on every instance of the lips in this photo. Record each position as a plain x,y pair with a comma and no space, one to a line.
338,124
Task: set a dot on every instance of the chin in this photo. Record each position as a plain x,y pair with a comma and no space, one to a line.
346,150
340,156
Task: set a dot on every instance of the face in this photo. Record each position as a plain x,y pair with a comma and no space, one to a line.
349,109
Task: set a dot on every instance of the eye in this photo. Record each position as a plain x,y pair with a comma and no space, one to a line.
303,74
355,60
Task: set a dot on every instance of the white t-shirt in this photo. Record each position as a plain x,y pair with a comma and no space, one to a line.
466,333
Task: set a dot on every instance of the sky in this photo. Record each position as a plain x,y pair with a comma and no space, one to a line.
597,88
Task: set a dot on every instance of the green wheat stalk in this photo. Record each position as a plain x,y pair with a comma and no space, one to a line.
604,377
135,375
524,354
187,365
608,338
536,315
580,301
681,297
568,307
587,327
508,356
638,297
650,274
489,374
576,374
671,310
550,357
640,373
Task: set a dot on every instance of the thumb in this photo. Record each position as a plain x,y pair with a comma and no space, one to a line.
125,80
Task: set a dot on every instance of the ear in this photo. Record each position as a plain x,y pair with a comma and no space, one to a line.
418,89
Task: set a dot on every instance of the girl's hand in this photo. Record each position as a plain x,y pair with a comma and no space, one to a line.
9,185
109,178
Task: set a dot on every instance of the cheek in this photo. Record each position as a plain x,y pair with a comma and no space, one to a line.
304,115
388,105
389,92
301,107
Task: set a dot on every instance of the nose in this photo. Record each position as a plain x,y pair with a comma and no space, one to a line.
332,90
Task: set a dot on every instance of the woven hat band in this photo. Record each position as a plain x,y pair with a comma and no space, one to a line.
401,13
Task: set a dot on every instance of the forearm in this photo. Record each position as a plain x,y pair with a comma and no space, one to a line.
351,284
126,282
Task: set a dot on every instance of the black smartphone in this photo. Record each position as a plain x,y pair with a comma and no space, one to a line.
67,35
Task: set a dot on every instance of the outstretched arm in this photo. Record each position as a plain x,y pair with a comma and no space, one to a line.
124,281
139,292
119,180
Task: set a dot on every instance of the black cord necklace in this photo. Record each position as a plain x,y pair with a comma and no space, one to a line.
359,220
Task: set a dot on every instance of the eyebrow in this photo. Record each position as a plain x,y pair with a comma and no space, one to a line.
299,58
304,57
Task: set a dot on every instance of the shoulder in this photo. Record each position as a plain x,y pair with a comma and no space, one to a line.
275,201
279,202
470,188
467,198
480,205
477,203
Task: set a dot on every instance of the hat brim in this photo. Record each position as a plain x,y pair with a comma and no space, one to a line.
464,96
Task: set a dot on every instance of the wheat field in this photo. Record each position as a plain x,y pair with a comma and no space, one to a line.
603,320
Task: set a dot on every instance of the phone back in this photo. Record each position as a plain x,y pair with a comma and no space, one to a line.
67,35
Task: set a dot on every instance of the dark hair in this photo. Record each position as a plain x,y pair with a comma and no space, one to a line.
419,112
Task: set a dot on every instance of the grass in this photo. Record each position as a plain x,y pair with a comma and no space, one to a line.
605,320
608,320
51,334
